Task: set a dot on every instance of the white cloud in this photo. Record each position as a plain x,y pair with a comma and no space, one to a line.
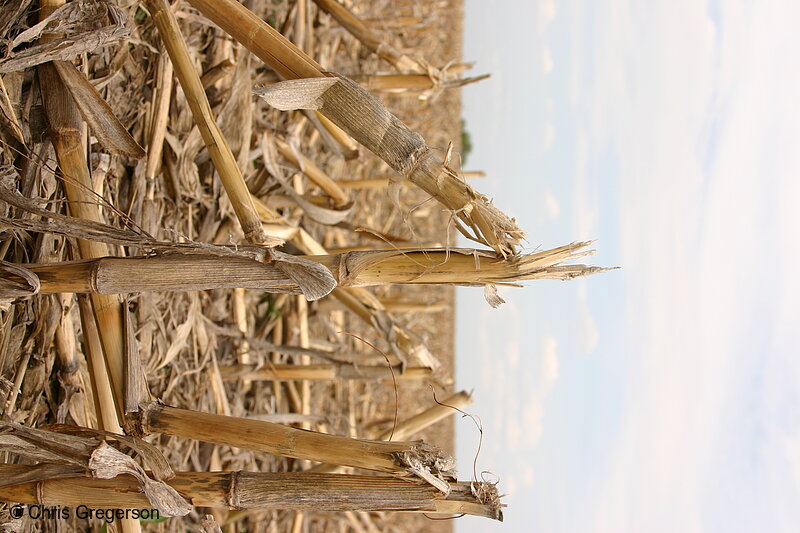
549,137
584,206
532,416
527,475
549,370
512,350
508,314
519,401
505,319
702,124
514,434
547,11
552,208
703,136
525,425
511,484
547,61
588,332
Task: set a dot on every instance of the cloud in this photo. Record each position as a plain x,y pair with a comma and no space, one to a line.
529,426
499,329
523,426
547,11
509,314
551,205
532,417
702,131
588,332
549,370
527,475
549,137
511,484
513,434
547,61
584,205
520,404
512,349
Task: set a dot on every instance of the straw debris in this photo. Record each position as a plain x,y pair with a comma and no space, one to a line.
86,25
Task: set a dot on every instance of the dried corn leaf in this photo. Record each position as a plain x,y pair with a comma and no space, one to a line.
8,117
180,337
40,472
136,391
317,213
210,525
43,444
86,24
11,12
97,113
151,457
306,93
78,228
491,296
22,447
320,214
314,280
107,463
17,282
89,455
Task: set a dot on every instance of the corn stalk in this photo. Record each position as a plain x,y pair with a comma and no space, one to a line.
180,272
215,141
299,491
321,372
66,124
364,118
399,458
411,426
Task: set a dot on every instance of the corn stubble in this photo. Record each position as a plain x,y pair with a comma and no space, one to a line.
164,395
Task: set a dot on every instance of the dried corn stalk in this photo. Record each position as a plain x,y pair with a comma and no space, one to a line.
417,72
454,266
301,491
215,141
403,459
287,273
410,426
329,372
65,124
364,118
182,272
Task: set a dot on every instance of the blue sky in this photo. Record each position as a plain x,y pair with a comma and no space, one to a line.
663,396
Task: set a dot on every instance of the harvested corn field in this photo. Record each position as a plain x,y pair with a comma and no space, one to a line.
217,220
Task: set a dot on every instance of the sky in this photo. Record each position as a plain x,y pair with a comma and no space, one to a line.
664,396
